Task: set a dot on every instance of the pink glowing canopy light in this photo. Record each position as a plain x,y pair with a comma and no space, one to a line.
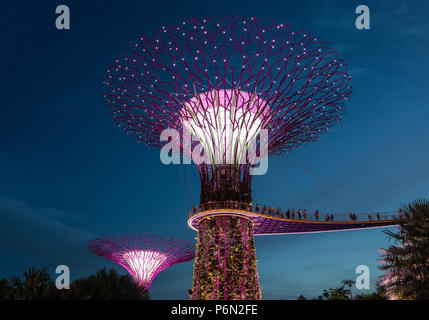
225,122
143,255
228,98
225,79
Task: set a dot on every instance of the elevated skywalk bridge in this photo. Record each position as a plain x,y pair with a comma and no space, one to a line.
270,221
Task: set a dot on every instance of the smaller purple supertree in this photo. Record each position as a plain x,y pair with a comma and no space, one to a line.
143,255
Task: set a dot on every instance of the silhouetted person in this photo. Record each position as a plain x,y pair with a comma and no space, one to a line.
293,213
288,214
317,215
305,214
378,216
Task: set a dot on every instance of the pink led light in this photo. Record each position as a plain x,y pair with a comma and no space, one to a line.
226,122
144,264
143,255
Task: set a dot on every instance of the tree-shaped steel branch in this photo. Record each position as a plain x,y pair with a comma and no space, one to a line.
224,80
143,255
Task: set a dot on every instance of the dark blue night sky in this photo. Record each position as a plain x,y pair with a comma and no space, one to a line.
68,174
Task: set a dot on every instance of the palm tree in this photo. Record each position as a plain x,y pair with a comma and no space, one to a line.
348,283
407,263
5,290
35,284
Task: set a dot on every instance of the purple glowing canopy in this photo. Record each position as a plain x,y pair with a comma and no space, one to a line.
295,87
143,255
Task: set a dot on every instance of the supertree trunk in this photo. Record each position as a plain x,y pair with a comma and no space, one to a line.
225,262
144,292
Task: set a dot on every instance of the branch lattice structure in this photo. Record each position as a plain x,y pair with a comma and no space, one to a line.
232,76
143,255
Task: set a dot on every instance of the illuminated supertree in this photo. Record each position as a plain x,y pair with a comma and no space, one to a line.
143,255
230,83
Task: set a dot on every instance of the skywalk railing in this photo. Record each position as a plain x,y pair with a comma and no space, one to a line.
297,214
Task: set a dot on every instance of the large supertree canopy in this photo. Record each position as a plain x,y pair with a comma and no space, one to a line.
224,80
143,255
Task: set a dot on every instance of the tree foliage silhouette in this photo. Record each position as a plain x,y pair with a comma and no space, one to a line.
105,285
407,261
36,284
